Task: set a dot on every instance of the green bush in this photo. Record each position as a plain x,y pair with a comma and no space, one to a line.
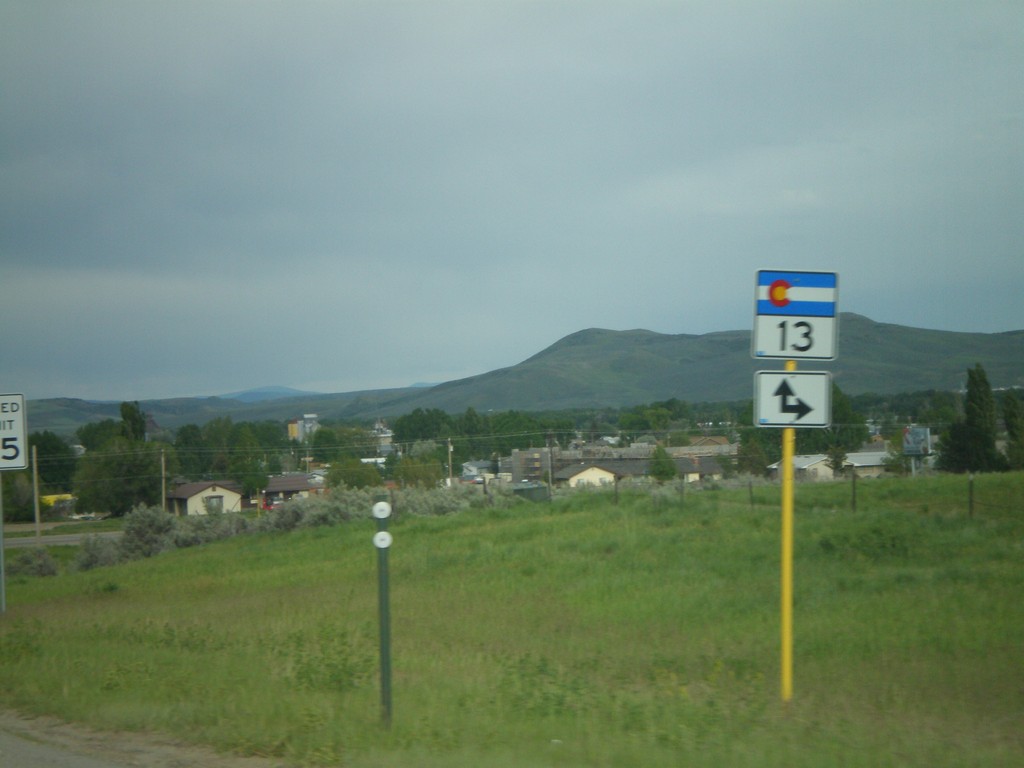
203,529
33,562
148,531
432,502
285,518
96,552
336,508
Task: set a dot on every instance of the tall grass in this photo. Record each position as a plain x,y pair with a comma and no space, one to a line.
581,633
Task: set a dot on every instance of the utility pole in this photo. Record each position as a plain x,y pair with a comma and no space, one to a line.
551,471
451,481
163,482
35,495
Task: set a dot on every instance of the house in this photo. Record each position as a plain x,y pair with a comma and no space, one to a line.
813,467
282,488
588,473
697,468
609,471
477,471
709,441
706,445
866,463
807,467
204,498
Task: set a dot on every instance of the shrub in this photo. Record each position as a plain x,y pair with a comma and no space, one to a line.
148,531
33,562
344,504
333,509
499,496
435,501
203,529
285,518
96,552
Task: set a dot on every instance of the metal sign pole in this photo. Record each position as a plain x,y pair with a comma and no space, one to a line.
385,635
382,541
13,455
3,573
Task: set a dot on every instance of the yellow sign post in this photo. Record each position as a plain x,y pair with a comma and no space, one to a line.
795,317
788,443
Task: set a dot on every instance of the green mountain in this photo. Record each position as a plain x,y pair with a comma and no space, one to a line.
599,368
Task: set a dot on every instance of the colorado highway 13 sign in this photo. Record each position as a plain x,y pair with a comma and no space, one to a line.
793,398
795,315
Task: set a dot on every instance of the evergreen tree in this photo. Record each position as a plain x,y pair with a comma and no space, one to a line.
970,443
133,422
1013,417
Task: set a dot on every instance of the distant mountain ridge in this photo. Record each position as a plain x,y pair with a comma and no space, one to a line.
262,394
600,368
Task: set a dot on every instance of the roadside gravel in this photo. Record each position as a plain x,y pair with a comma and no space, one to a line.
43,742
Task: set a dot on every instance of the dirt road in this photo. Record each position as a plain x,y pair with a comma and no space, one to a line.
42,742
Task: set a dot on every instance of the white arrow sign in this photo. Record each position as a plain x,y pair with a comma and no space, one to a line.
793,398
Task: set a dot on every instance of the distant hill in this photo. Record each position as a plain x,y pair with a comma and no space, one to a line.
263,394
65,415
599,368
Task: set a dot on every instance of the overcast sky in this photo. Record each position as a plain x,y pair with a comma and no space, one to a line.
203,197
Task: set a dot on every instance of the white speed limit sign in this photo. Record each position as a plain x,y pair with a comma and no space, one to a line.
13,447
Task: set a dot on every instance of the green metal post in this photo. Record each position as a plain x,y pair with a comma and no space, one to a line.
385,636
970,497
3,573
382,511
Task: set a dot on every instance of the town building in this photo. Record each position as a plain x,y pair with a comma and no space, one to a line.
204,498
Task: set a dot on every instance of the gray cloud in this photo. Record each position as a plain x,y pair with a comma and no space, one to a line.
200,197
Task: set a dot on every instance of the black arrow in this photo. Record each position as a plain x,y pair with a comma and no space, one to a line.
800,408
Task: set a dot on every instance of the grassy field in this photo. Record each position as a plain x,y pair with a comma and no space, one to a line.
577,633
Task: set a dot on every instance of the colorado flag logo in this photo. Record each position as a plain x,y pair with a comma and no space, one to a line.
805,294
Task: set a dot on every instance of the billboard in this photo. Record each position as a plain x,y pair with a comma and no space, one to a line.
917,441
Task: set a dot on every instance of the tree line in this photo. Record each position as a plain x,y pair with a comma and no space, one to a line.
122,468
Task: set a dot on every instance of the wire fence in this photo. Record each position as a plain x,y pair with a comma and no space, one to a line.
970,495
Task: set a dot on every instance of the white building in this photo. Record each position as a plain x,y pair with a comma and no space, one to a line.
815,466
